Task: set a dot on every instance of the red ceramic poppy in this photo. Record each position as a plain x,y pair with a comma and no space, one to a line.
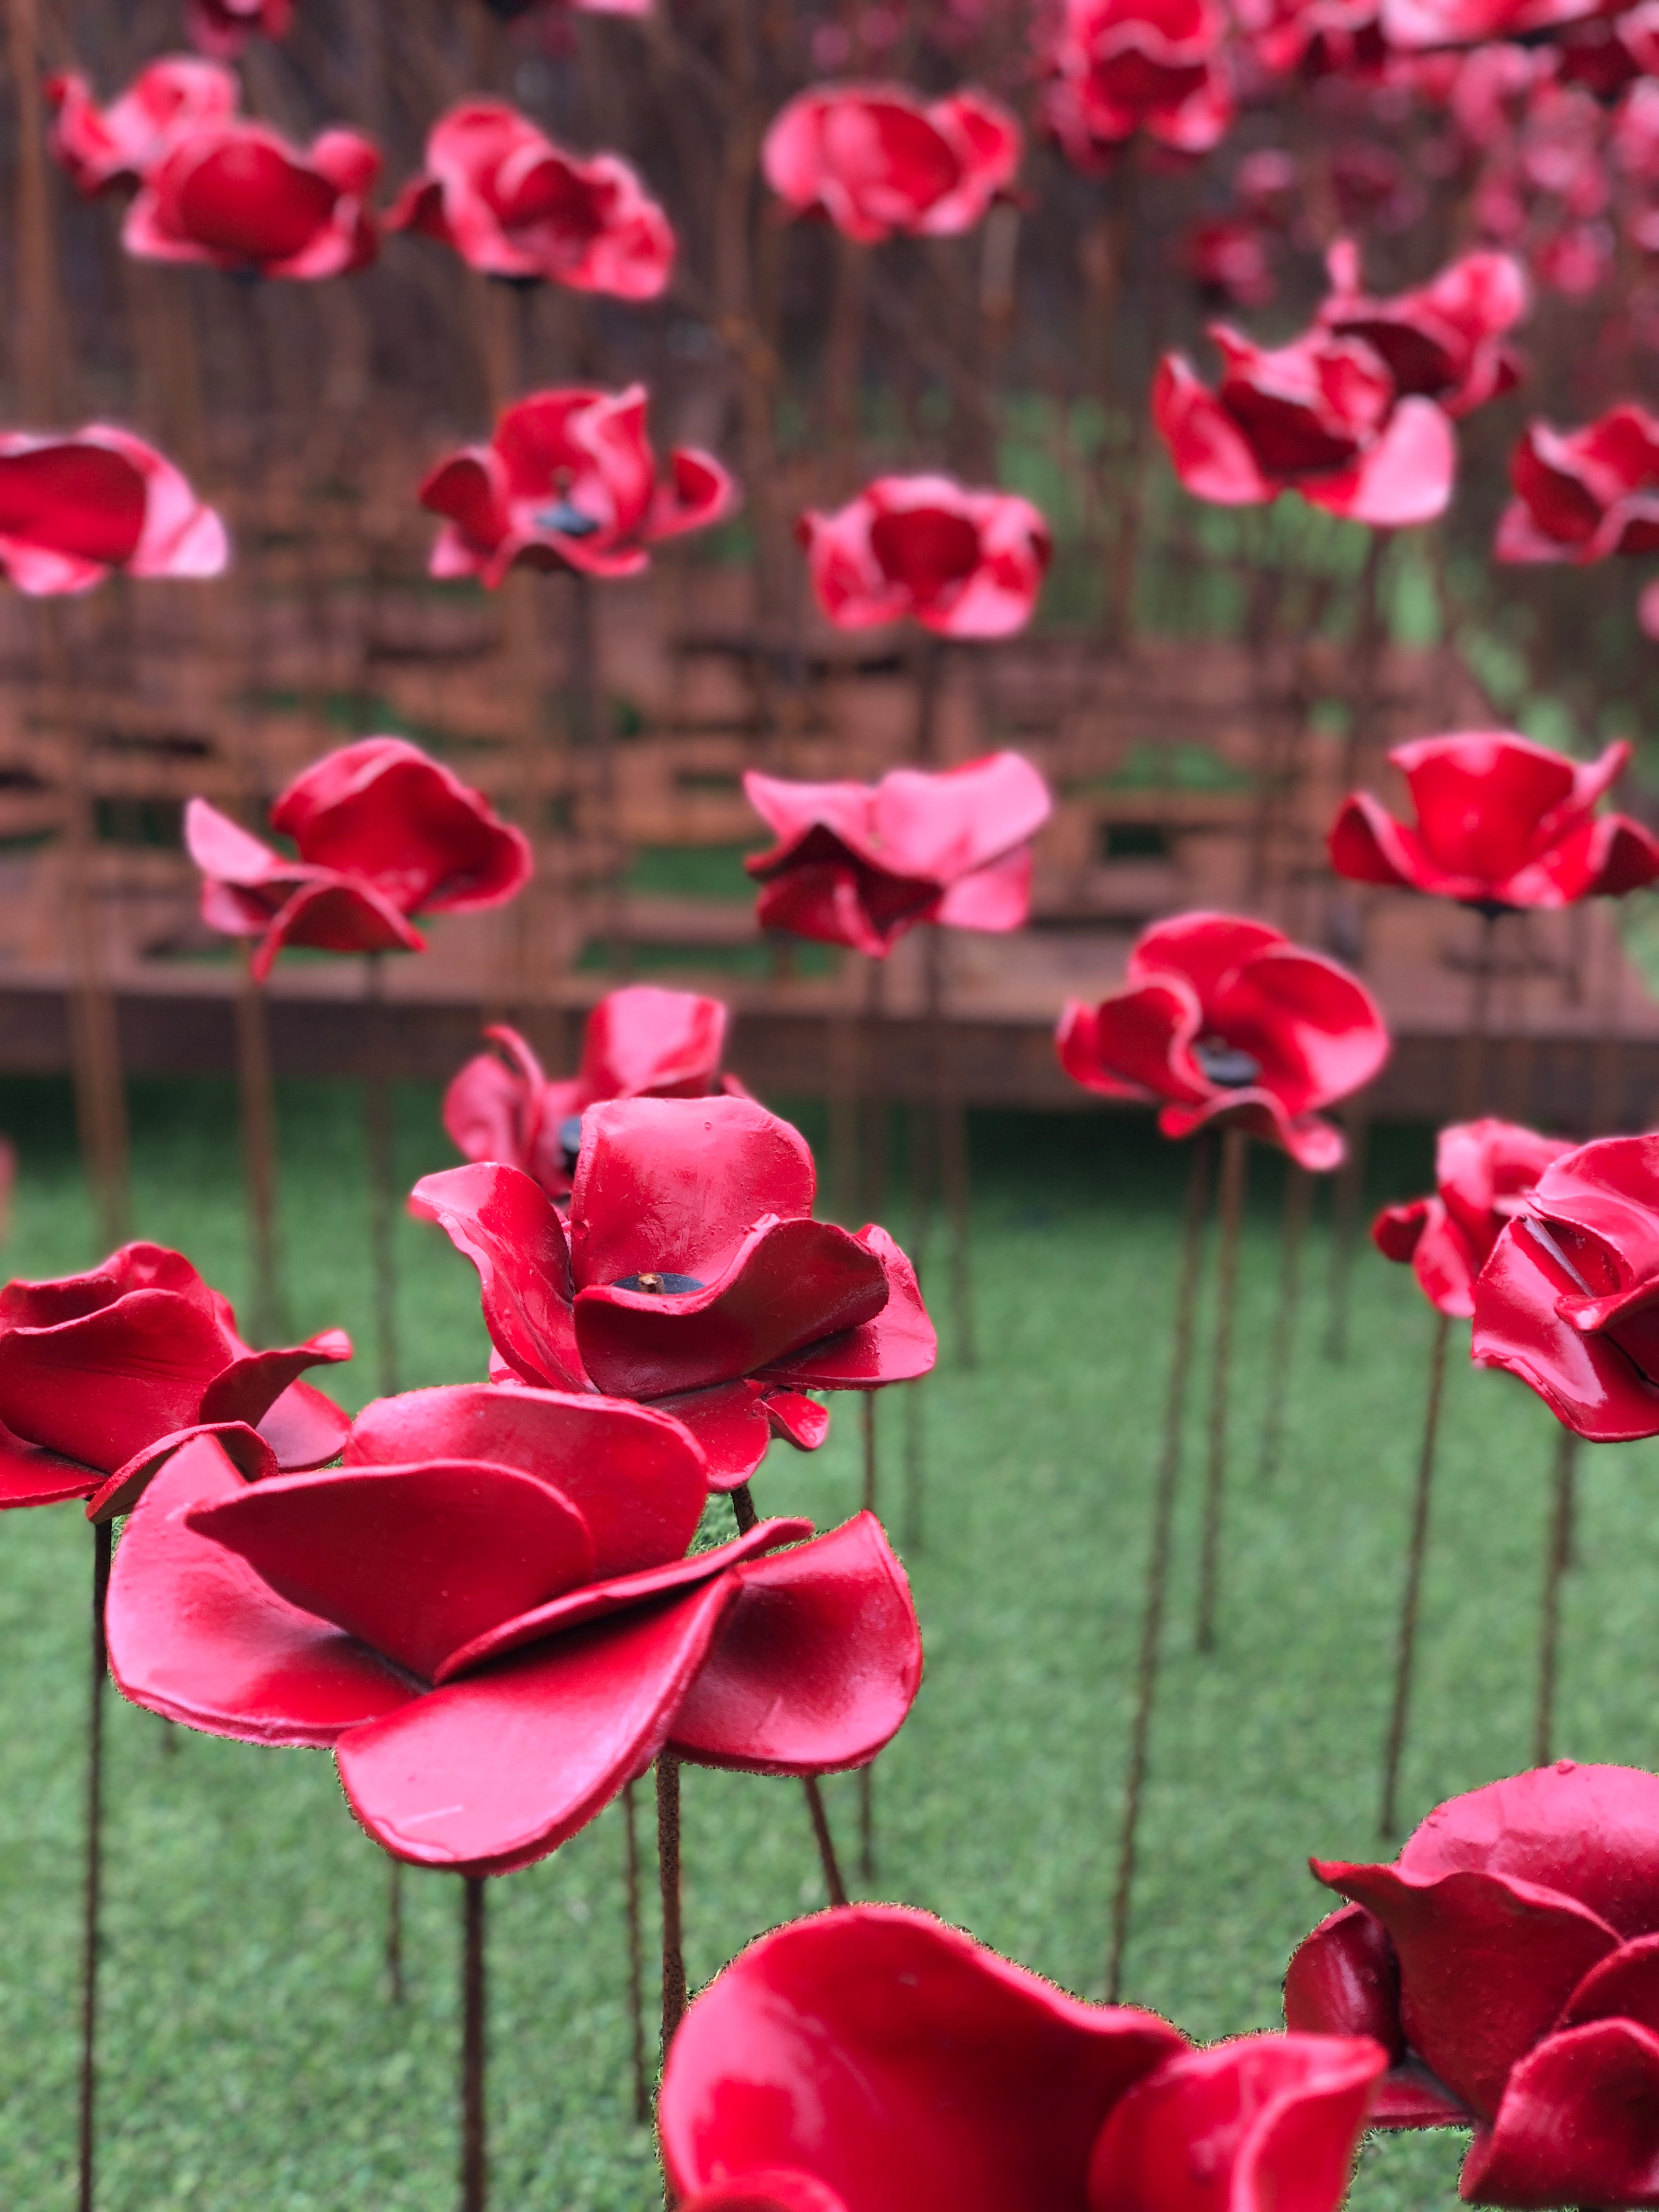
1230,260
1224,1018
1444,341
875,159
570,481
101,1375
382,833
691,1275
74,508
962,563
223,28
488,1613
513,204
1508,1961
1501,823
872,2059
1118,67
641,1042
238,197
1484,1172
1317,37
122,143
1584,495
1321,417
1418,24
860,863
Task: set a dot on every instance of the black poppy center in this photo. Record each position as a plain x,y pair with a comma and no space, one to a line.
658,1286
570,1141
569,521
1225,1064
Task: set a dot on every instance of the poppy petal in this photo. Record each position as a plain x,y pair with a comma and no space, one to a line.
506,1225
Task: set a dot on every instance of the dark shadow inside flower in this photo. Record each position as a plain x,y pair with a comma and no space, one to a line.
569,521
926,549
1226,1064
889,901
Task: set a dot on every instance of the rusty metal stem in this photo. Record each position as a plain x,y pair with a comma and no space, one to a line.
836,1888
1406,1654
102,1545
475,2143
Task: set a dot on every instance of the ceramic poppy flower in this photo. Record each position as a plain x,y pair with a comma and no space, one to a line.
75,508
1506,1961
1584,494
382,832
1445,340
870,2059
488,1613
224,27
640,1042
101,1374
120,144
1413,25
512,203
1317,37
1483,1171
1321,417
962,563
570,481
238,197
1222,1019
860,863
1119,68
692,1276
876,160
1501,823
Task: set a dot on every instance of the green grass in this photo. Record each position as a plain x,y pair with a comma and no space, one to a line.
251,2058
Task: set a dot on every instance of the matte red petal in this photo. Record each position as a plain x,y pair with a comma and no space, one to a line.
244,1447
248,1388
730,1424
797,1418
101,1388
898,1345
1624,1985
1344,1980
340,915
1367,846
645,1039
1143,1037
31,1476
502,1221
305,1427
1579,2123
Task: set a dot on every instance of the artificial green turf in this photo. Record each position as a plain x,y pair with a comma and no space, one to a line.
251,2058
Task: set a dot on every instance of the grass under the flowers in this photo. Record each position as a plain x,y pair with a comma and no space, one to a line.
251,2059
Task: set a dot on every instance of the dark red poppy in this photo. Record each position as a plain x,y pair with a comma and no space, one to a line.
1508,1960
692,1276
640,1042
860,863
1484,1172
1501,822
963,563
1221,1019
570,481
1318,37
513,204
122,143
102,1374
223,28
1444,341
74,508
1118,67
1584,495
238,197
382,833
875,159
872,2059
488,1613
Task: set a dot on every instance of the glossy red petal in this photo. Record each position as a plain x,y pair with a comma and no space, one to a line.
1367,846
99,1387
336,915
1344,1980
800,1420
30,1476
244,1447
1143,1037
773,2190
505,1224
251,1385
1579,2124
1316,1030
730,1424
1208,449
304,1427
644,1039
1077,1046
1624,1985
899,1345
1586,1382
486,1110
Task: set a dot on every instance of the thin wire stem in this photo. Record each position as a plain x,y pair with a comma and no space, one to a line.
475,2142
1406,1653
826,1842
102,1550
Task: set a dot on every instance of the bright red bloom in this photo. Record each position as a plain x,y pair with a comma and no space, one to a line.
238,197
691,1275
1222,1019
1119,67
860,863
102,1374
1584,495
223,28
875,159
383,832
963,563
640,1042
1501,822
487,1611
1483,1171
872,2059
74,507
122,143
513,204
1507,1961
1444,341
1568,1299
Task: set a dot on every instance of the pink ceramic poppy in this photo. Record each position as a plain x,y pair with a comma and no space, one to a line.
860,863
238,197
1484,1172
1118,67
875,159
1444,341
122,143
383,832
962,563
75,508
223,28
1584,495
1418,24
1221,1019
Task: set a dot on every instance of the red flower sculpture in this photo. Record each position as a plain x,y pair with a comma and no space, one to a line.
1505,1961
238,197
1484,1172
1120,67
1445,341
1222,1019
872,2059
487,1611
875,160
223,28
691,1275
641,1042
860,863
513,204
75,507
122,143
101,1375
1584,495
1321,417
1568,1298
962,563
1417,24
383,832
1501,823
570,481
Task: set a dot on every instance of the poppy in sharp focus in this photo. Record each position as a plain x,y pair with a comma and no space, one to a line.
75,508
